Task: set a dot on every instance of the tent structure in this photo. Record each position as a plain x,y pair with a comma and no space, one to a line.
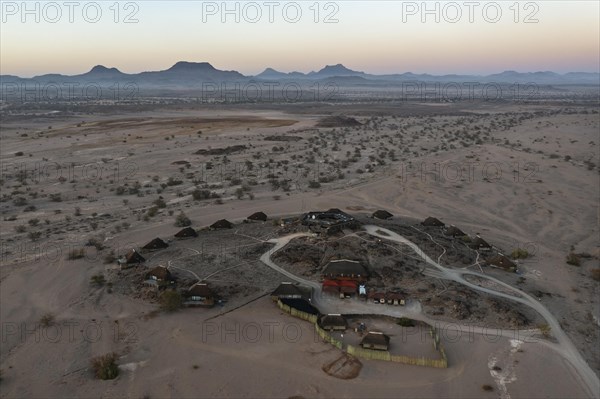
155,244
187,232
258,217
221,224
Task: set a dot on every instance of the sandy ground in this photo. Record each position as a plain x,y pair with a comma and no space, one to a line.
542,202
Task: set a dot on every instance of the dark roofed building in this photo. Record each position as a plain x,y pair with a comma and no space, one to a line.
434,222
258,217
155,244
454,232
333,322
375,340
199,294
502,262
221,224
382,214
286,290
327,218
133,257
186,233
345,269
481,244
159,277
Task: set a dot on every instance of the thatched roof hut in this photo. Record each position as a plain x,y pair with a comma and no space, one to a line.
502,262
433,222
333,322
481,244
186,233
375,340
133,257
382,214
221,224
345,269
199,294
159,273
454,232
258,217
286,290
155,244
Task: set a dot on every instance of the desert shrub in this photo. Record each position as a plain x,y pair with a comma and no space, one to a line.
487,387
314,184
406,322
20,228
98,280
160,203
544,329
47,320
171,181
110,257
76,254
573,259
182,220
34,235
519,253
105,366
152,211
20,201
595,273
96,242
170,301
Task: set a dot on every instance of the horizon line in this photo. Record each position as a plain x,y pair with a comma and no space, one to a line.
305,73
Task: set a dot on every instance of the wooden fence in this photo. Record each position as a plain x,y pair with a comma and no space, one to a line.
297,313
328,338
369,353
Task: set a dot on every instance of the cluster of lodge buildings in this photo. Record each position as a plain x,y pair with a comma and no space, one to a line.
292,295
477,243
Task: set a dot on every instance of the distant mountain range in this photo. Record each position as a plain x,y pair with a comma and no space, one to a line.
193,74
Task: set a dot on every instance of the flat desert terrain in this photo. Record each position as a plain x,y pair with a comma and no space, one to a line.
523,176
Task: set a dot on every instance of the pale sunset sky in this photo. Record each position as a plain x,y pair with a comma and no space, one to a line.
375,36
